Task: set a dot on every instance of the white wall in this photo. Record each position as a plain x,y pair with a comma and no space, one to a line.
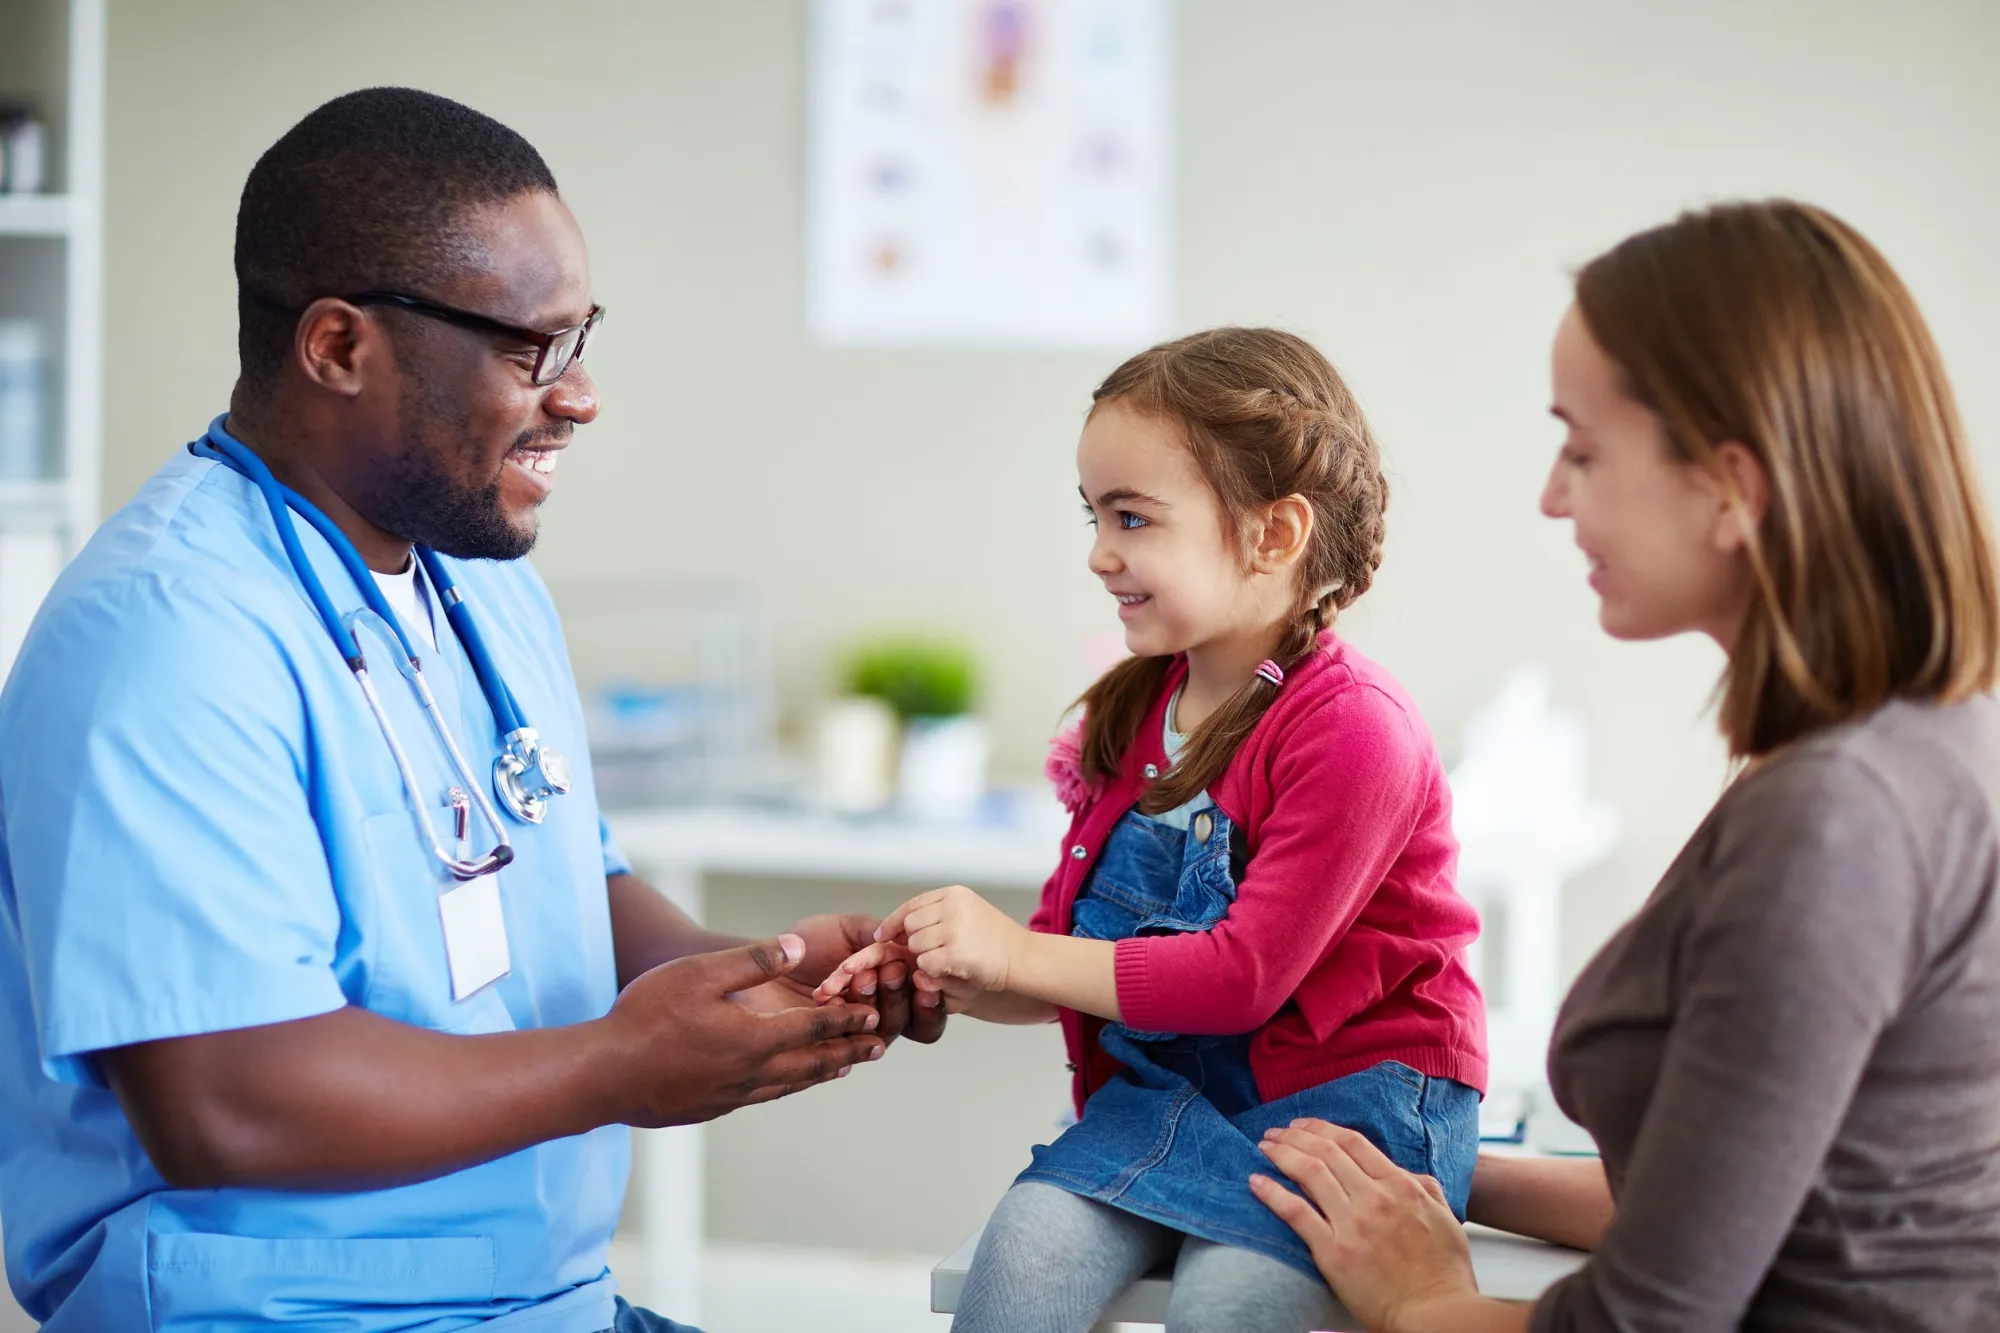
1407,184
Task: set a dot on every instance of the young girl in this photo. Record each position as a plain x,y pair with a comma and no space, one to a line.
1253,919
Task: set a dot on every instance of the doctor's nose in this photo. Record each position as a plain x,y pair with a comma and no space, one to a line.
573,397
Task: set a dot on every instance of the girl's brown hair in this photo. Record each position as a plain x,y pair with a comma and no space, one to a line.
1777,326
1265,417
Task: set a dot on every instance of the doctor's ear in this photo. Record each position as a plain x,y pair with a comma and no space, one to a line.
332,344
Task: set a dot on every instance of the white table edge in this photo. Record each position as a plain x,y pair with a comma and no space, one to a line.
1508,1268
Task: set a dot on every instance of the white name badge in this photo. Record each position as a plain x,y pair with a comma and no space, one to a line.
475,935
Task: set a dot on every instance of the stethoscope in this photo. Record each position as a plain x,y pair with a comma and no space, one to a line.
526,773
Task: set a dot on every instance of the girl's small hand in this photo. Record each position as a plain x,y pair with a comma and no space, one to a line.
887,959
1383,1238
957,936
956,996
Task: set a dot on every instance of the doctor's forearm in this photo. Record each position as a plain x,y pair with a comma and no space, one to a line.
648,930
351,1100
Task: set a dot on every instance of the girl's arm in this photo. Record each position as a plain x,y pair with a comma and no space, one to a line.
985,963
1002,1007
1561,1199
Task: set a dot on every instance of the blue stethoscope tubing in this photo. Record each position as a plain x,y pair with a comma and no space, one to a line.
521,754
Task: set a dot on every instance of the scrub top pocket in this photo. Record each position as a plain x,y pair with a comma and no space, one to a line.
208,1282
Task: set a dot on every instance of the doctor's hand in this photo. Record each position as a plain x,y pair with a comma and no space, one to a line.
834,941
686,1052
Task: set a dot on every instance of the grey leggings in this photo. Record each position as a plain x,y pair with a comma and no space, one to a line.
1052,1261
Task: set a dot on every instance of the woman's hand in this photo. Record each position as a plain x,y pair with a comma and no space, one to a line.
957,937
1384,1239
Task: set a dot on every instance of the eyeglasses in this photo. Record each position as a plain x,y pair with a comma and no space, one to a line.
555,351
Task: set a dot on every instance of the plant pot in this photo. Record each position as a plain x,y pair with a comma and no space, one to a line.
943,773
854,751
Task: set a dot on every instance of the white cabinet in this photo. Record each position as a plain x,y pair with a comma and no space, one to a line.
51,275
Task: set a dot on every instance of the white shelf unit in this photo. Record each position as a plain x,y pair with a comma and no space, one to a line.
52,52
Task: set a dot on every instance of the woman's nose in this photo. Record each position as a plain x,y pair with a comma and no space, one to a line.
1555,493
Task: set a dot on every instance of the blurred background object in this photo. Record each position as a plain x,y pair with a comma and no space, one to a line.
52,103
930,686
1526,824
24,409
1408,186
989,173
676,678
23,149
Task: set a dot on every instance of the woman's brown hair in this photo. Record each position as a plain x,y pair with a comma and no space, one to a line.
1777,326
1265,417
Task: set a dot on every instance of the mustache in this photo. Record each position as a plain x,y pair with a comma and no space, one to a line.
558,434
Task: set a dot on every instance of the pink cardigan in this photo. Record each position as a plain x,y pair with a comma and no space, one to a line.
1346,944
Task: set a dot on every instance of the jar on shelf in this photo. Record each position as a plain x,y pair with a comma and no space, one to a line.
23,150
23,400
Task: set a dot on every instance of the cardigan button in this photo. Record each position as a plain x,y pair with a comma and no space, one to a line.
1152,770
1079,851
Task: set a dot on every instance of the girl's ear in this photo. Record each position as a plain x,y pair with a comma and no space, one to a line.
1283,537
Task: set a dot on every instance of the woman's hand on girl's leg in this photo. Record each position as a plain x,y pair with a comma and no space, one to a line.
1384,1238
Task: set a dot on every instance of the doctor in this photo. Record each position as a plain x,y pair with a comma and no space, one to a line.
304,1017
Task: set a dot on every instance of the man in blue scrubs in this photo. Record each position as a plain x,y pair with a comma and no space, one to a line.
253,1069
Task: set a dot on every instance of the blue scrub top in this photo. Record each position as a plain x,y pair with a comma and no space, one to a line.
201,828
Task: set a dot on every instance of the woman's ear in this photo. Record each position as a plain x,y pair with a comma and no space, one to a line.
1745,489
1282,540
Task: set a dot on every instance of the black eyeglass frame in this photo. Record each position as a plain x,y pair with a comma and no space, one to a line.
547,345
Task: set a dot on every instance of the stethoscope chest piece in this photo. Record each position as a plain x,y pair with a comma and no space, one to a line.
527,774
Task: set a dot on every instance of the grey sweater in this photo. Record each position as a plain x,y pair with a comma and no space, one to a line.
1790,1058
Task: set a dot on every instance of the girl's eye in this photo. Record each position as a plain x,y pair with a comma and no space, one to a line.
1090,516
1129,521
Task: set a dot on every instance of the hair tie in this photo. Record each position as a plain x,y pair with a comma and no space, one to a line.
1271,671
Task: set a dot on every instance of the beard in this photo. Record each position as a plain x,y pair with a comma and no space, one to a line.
425,502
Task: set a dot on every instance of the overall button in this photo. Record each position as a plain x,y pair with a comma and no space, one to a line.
1204,824
1079,851
1152,770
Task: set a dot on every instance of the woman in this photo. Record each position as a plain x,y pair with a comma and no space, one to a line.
1790,1058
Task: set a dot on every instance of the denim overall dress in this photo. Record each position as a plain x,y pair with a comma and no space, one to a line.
1173,1136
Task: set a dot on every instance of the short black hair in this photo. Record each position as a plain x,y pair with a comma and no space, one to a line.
369,190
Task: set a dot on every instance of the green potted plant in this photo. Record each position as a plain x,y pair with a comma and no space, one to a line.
931,685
